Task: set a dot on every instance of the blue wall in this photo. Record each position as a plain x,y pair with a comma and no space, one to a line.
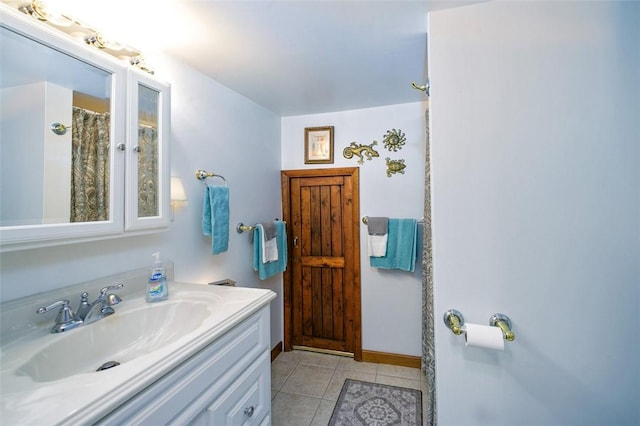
215,129
536,210
391,299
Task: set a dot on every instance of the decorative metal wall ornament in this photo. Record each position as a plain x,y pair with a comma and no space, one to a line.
395,166
360,151
394,139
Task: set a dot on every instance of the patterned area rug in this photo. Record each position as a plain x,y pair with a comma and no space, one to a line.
364,403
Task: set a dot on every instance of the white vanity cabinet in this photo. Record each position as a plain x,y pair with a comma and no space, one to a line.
226,383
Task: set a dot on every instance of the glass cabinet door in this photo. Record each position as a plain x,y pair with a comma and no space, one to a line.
148,169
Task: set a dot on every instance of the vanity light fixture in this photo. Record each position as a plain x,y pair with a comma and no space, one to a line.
35,9
178,196
39,10
96,40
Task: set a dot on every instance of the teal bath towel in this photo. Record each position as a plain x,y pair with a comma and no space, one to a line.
215,217
266,270
401,246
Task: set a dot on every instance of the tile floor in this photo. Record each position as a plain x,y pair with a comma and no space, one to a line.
305,385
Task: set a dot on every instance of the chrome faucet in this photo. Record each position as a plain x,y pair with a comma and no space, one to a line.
99,308
87,312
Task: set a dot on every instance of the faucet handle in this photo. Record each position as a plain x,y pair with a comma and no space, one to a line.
65,319
64,303
104,290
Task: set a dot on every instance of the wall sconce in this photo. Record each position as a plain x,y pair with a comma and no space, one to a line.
178,196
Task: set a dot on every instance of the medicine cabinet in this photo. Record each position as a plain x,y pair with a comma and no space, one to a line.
84,141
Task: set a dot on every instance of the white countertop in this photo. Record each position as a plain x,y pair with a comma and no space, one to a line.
84,398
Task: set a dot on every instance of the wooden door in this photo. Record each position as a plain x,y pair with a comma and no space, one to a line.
322,282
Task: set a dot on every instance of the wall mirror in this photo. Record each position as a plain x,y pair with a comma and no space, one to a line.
59,174
84,145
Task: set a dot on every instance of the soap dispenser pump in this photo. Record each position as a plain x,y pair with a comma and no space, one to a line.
157,289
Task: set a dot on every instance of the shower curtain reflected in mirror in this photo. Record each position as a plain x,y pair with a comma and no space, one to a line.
147,172
90,166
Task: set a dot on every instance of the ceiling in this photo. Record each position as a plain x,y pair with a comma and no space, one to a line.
310,56
293,57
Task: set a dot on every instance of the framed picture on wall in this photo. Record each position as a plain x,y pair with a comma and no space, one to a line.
318,145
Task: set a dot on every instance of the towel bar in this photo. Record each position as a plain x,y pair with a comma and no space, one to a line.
241,227
365,220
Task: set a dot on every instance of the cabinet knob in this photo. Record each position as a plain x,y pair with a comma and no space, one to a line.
121,147
137,148
249,411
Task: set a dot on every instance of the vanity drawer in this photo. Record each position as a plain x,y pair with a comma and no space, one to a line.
184,393
247,400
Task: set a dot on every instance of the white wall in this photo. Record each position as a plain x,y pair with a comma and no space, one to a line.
22,149
214,129
391,300
57,150
28,144
536,213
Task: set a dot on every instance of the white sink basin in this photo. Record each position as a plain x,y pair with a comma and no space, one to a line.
48,378
120,337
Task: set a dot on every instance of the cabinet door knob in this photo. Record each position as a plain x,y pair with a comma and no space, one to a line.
121,147
249,411
137,148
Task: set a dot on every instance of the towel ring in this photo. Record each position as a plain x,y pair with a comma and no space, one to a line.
203,174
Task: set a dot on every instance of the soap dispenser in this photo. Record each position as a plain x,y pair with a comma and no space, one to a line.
157,289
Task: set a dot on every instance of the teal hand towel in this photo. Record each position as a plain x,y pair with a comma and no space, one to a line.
401,246
215,217
269,269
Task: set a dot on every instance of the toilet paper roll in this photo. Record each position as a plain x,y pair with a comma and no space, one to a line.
484,336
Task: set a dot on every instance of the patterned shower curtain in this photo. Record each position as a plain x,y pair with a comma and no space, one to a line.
90,166
428,344
147,172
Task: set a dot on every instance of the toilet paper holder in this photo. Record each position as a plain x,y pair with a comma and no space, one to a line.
454,320
503,323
